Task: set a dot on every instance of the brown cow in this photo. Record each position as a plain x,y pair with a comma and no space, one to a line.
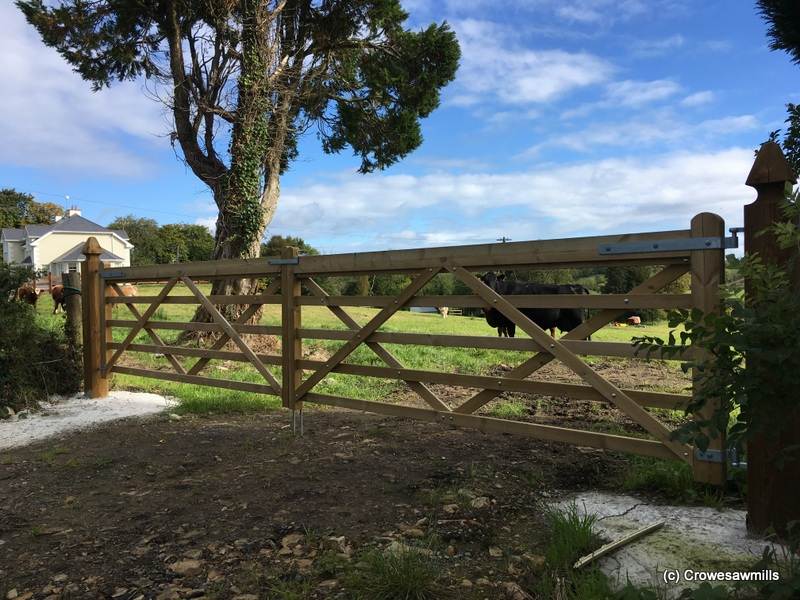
27,293
128,289
59,299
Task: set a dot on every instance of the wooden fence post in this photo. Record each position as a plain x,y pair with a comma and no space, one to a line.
72,302
95,385
291,343
708,272
772,490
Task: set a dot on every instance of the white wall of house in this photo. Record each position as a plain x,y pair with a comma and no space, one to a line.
54,244
13,252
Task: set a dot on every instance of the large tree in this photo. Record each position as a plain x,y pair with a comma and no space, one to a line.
244,79
18,209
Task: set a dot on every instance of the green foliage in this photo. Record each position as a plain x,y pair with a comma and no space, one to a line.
154,244
402,574
35,361
756,363
572,536
262,74
18,209
670,478
277,243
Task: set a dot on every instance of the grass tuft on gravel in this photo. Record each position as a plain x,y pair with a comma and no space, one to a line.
402,574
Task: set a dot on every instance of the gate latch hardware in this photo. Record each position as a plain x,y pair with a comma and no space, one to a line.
284,261
717,456
674,245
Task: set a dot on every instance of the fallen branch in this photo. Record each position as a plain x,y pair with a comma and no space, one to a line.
611,546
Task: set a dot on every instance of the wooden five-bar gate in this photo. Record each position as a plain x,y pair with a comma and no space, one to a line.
698,250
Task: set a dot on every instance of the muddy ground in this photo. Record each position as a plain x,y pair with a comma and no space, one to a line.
239,507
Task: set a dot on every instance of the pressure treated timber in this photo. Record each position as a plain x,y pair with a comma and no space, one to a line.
232,334
143,320
708,272
541,253
152,334
641,301
228,384
655,283
544,388
262,298
665,301
291,320
610,391
256,302
390,359
489,424
619,349
211,327
379,319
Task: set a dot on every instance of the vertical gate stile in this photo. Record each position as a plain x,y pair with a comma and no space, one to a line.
106,314
708,272
291,342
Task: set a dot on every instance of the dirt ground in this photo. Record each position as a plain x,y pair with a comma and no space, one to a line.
238,507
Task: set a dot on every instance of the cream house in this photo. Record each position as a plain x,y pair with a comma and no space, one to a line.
56,248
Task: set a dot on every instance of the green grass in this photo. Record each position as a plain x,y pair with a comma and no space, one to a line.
403,574
511,409
572,535
199,399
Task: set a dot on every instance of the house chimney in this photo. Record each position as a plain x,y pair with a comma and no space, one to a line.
73,211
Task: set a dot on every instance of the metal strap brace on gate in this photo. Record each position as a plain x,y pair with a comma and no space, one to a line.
674,245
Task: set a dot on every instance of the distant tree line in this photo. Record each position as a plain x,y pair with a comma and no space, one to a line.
161,244
18,209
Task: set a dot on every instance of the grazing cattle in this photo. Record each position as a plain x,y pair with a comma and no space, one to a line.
128,289
443,310
59,299
565,319
27,293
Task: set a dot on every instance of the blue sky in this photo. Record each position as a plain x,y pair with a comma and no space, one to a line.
566,118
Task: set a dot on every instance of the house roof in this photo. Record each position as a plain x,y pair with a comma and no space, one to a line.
76,255
13,235
75,224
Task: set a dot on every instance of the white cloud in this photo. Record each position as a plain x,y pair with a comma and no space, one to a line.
54,120
657,47
494,67
622,194
654,128
637,93
698,99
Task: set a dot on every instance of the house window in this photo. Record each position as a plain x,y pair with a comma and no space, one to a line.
73,267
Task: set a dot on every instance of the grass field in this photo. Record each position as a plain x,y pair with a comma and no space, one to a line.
195,398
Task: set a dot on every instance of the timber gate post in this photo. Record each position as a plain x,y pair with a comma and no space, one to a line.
95,385
72,302
291,343
708,272
772,490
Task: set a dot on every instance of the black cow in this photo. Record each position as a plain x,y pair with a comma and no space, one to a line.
565,319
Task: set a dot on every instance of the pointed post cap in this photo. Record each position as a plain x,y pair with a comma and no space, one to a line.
92,246
770,166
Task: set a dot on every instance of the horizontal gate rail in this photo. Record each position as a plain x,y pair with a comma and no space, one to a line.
228,384
665,301
578,437
535,254
545,388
